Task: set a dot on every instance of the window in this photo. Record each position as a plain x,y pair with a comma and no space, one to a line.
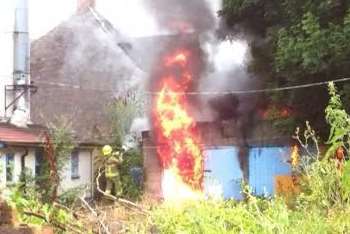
10,158
75,165
39,162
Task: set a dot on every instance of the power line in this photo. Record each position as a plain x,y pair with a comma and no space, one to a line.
209,93
204,93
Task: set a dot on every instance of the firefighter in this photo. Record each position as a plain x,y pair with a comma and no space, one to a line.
112,167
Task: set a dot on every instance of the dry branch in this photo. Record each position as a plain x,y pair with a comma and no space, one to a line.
54,177
55,223
95,214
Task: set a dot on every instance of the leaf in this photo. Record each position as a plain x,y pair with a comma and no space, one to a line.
345,180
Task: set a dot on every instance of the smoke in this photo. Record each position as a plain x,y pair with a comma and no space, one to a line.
223,61
228,72
84,57
182,15
94,53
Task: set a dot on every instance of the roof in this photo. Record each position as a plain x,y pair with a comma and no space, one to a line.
79,70
145,51
31,135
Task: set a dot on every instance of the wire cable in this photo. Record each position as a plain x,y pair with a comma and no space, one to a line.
206,93
257,90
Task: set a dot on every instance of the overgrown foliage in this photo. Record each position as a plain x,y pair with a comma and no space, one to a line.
122,113
56,154
295,42
131,174
36,198
63,144
339,122
30,209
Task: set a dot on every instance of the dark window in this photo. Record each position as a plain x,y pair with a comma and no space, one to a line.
39,162
10,159
75,164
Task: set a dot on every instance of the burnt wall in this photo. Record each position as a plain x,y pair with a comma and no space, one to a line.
213,134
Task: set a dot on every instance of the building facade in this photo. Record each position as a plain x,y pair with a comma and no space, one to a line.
22,149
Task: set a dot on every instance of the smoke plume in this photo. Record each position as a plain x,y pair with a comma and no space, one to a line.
182,15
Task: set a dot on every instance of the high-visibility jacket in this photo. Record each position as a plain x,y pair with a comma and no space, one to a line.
112,167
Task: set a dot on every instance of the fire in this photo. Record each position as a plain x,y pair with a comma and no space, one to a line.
295,156
179,143
174,189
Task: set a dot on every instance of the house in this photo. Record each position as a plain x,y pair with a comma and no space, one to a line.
23,148
76,71
18,147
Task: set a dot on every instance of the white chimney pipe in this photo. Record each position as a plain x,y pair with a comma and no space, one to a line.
21,72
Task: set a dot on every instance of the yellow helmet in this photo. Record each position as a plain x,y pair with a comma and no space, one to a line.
107,150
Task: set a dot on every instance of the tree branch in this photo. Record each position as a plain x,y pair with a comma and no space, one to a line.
94,213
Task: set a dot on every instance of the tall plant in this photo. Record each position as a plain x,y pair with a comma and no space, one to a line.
59,144
122,113
339,122
325,179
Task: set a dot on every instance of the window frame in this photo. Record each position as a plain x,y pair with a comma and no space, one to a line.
75,165
10,167
39,161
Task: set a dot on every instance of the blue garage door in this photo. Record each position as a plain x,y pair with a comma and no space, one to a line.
264,164
223,173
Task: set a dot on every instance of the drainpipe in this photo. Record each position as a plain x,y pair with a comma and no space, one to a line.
92,173
21,65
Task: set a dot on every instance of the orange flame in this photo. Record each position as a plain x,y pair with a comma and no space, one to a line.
295,156
180,149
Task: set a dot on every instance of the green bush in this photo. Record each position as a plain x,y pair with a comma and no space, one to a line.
132,159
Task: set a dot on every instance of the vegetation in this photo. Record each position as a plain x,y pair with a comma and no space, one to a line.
131,174
57,150
122,114
295,42
36,199
32,210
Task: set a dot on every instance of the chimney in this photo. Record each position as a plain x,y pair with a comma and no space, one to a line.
21,71
84,5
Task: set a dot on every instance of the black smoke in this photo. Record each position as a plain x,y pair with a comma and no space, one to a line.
182,15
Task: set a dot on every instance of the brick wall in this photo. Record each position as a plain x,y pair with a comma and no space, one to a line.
152,168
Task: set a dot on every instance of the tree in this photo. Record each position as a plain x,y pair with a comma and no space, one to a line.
122,113
295,42
59,144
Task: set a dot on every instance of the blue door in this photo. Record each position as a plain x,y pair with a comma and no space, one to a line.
264,164
223,174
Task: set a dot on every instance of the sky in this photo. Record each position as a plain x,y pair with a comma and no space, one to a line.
44,15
